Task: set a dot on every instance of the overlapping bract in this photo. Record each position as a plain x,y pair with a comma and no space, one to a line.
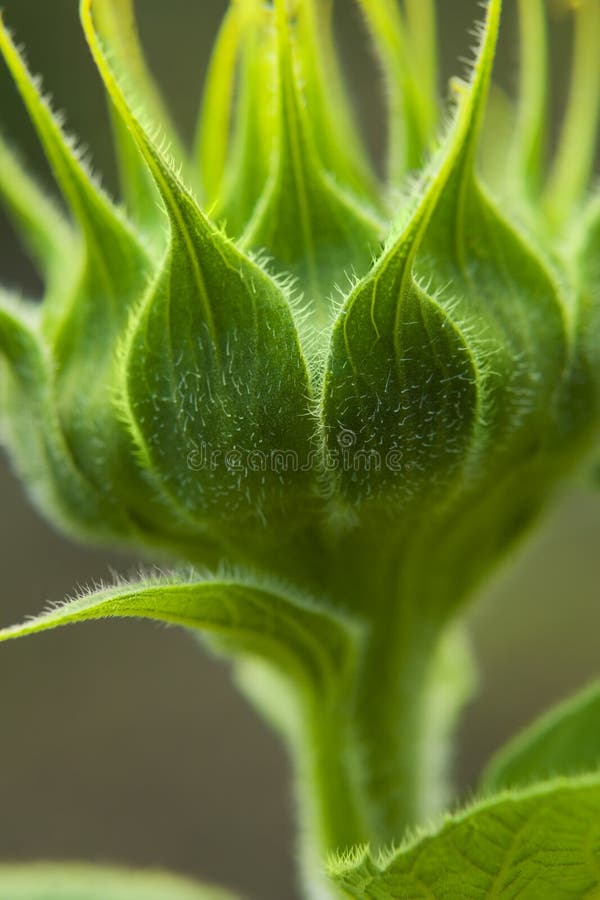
178,402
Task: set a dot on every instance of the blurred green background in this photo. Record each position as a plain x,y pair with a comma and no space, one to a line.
122,743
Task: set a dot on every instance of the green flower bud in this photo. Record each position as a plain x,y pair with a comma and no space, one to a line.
192,383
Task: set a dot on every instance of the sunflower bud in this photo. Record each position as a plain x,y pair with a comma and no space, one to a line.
190,382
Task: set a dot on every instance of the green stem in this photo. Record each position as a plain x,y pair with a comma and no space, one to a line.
413,678
378,765
319,736
370,757
328,795
406,709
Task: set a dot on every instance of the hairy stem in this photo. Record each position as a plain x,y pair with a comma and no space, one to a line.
410,691
413,677
319,734
332,811
371,754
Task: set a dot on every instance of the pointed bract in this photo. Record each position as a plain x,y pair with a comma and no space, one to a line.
313,227
212,331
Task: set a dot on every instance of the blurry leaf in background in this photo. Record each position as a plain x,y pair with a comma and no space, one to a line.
57,882
564,741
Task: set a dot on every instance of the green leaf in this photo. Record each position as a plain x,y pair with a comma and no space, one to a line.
116,24
280,151
529,140
115,267
306,656
331,117
211,366
309,644
585,272
402,385
236,128
455,365
564,741
214,123
542,843
83,326
41,454
47,881
573,162
406,46
588,268
79,376
421,30
313,227
34,434
45,233
498,133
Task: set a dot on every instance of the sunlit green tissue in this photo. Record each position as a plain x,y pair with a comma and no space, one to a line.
270,348
347,395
